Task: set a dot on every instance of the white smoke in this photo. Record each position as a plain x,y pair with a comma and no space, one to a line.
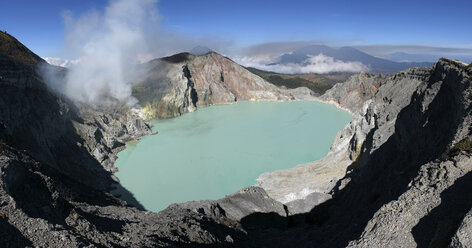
314,64
108,46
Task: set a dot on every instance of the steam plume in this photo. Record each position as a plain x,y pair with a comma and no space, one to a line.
108,45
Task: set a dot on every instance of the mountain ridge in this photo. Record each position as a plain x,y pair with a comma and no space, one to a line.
348,54
183,82
14,49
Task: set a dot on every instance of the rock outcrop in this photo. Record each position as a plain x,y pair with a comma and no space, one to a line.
183,82
105,129
77,139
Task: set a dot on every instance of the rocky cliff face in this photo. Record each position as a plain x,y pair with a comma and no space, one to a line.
78,139
419,175
183,82
408,172
398,175
105,129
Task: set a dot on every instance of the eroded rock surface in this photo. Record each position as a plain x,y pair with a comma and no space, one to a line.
184,82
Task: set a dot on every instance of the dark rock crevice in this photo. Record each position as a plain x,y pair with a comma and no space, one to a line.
190,92
437,228
11,236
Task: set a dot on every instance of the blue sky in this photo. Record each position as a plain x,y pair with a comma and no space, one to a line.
40,26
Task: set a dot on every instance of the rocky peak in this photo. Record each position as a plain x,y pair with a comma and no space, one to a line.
12,48
214,79
177,58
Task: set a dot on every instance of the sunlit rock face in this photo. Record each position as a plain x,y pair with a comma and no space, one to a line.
183,82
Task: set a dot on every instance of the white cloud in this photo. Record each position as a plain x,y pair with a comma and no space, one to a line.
314,64
61,61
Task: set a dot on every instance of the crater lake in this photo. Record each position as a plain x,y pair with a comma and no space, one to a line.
218,150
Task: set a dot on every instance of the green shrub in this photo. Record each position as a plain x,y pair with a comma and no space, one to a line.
463,145
320,87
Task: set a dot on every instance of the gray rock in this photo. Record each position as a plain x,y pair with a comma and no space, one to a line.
463,236
302,206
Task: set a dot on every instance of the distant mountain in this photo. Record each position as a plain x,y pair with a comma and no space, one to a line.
349,54
200,50
61,61
410,57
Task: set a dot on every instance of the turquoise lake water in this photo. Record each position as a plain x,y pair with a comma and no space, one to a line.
218,150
